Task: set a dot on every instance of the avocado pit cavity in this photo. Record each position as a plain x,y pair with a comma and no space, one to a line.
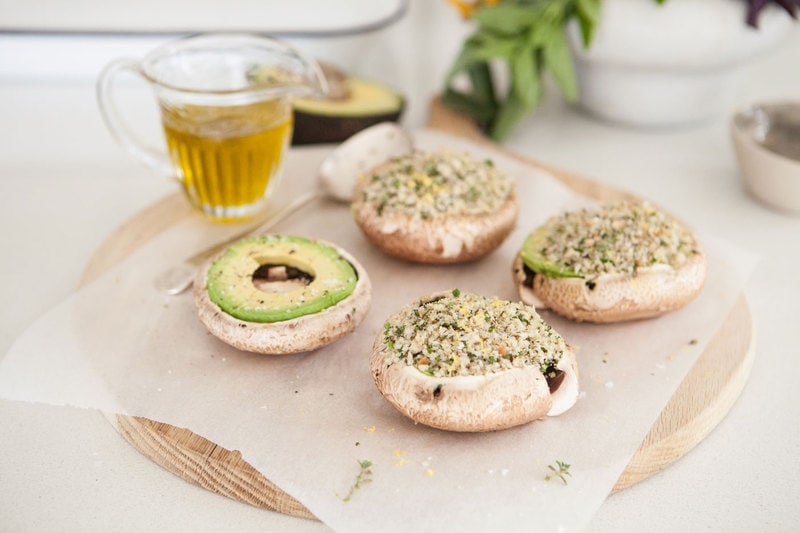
271,278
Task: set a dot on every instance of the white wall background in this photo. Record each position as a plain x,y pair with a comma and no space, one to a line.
48,41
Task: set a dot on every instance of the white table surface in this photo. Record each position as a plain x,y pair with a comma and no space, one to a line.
65,186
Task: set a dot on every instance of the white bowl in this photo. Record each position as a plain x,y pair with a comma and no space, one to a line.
767,141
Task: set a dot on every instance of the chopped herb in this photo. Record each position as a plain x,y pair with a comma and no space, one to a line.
559,471
364,476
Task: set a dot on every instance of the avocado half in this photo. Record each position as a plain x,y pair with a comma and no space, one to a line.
358,104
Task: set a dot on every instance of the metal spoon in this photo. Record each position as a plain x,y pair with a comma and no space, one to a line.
337,176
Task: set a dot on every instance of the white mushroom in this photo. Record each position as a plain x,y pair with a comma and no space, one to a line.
436,207
614,297
623,261
474,401
442,240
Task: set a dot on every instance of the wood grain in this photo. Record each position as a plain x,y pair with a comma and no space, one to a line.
698,405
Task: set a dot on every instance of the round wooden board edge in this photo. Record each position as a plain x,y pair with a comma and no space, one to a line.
698,405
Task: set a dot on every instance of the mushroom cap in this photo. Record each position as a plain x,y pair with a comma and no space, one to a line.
301,334
441,239
653,291
479,403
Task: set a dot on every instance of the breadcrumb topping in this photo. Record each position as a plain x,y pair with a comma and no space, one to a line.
427,184
617,238
455,334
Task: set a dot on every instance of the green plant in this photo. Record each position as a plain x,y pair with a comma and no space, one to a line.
560,471
364,476
529,38
524,40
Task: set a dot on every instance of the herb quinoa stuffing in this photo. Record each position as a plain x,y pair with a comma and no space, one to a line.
427,184
455,334
615,238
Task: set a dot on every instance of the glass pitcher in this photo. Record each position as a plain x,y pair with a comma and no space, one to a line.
226,111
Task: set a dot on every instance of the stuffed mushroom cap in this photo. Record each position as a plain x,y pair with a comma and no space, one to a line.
610,263
463,362
436,207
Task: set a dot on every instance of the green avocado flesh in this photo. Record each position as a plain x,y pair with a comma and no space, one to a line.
231,286
365,97
533,258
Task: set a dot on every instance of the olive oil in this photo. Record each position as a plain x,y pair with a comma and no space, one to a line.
228,157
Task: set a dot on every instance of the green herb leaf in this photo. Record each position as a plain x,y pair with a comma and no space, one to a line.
525,76
478,102
588,13
558,61
510,113
480,78
505,18
481,48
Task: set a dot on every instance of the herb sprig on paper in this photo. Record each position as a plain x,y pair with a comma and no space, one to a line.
364,476
560,471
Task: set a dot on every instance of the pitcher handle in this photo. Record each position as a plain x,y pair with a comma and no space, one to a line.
154,159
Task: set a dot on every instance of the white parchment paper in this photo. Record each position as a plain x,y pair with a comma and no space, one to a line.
305,421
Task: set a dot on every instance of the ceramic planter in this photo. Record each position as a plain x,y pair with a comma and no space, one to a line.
670,64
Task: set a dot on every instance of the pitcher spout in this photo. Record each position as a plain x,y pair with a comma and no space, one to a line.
308,81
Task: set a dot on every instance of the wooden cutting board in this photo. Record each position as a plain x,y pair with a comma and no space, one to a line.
700,402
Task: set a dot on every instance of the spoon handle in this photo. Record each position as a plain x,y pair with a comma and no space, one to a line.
177,278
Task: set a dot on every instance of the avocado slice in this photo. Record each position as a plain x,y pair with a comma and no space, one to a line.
230,279
358,104
533,258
